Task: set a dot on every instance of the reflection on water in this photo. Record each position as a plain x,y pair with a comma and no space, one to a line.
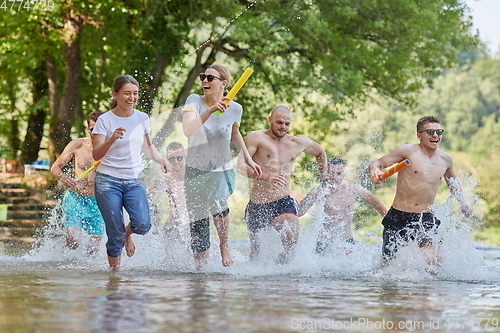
41,297
54,289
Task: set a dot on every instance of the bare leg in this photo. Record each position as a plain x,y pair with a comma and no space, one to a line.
431,255
200,259
72,237
287,226
129,243
222,226
254,246
114,263
93,246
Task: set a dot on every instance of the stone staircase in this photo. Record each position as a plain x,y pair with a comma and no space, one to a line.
29,205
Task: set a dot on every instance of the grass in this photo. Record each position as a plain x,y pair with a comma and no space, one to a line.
489,236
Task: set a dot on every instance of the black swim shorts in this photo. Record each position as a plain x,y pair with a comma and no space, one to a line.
259,216
402,227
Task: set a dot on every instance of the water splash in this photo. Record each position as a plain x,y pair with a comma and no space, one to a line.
157,252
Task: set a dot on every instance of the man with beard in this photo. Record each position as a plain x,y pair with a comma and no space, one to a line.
270,202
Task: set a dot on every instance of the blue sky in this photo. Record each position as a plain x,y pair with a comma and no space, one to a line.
486,18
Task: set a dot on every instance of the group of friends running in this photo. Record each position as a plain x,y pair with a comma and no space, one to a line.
200,179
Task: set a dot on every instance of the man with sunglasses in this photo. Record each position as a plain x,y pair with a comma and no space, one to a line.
410,217
173,184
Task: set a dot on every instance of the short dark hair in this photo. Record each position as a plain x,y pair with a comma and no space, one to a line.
425,120
175,146
93,116
336,160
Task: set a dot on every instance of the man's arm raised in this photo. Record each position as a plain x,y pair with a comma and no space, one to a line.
314,149
397,155
455,187
372,200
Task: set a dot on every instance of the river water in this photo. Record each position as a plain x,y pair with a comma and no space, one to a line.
51,288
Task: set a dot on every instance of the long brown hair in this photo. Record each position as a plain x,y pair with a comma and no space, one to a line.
118,84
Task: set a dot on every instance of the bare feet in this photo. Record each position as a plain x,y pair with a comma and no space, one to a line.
227,259
284,258
129,242
129,245
114,263
200,259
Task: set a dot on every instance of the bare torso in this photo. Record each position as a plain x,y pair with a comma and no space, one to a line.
82,159
339,206
175,189
274,157
418,183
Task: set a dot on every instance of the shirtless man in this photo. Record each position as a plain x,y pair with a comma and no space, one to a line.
339,202
173,184
80,211
270,203
410,217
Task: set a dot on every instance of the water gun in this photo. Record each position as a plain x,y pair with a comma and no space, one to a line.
94,165
395,168
237,86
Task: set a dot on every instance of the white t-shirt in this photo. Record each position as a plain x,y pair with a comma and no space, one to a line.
123,159
209,149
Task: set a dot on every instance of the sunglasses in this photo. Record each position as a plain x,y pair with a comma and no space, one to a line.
209,77
432,131
174,158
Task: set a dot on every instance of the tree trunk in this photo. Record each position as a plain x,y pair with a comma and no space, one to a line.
36,121
60,126
151,88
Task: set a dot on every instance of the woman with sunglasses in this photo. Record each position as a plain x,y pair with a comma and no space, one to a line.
209,175
119,136
410,218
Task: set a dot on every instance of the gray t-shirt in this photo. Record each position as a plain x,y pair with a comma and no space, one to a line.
209,149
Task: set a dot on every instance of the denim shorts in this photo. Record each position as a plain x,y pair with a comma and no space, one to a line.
115,194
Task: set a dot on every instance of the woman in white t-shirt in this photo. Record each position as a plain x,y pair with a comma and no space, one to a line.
209,176
118,139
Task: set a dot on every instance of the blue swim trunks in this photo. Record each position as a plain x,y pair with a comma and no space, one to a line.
259,216
82,212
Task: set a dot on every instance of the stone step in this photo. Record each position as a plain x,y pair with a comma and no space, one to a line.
27,214
14,192
13,244
30,206
23,223
17,232
19,200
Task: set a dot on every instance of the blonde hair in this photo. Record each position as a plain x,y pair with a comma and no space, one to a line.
224,74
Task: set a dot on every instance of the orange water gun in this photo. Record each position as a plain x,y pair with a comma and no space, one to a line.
94,165
395,168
